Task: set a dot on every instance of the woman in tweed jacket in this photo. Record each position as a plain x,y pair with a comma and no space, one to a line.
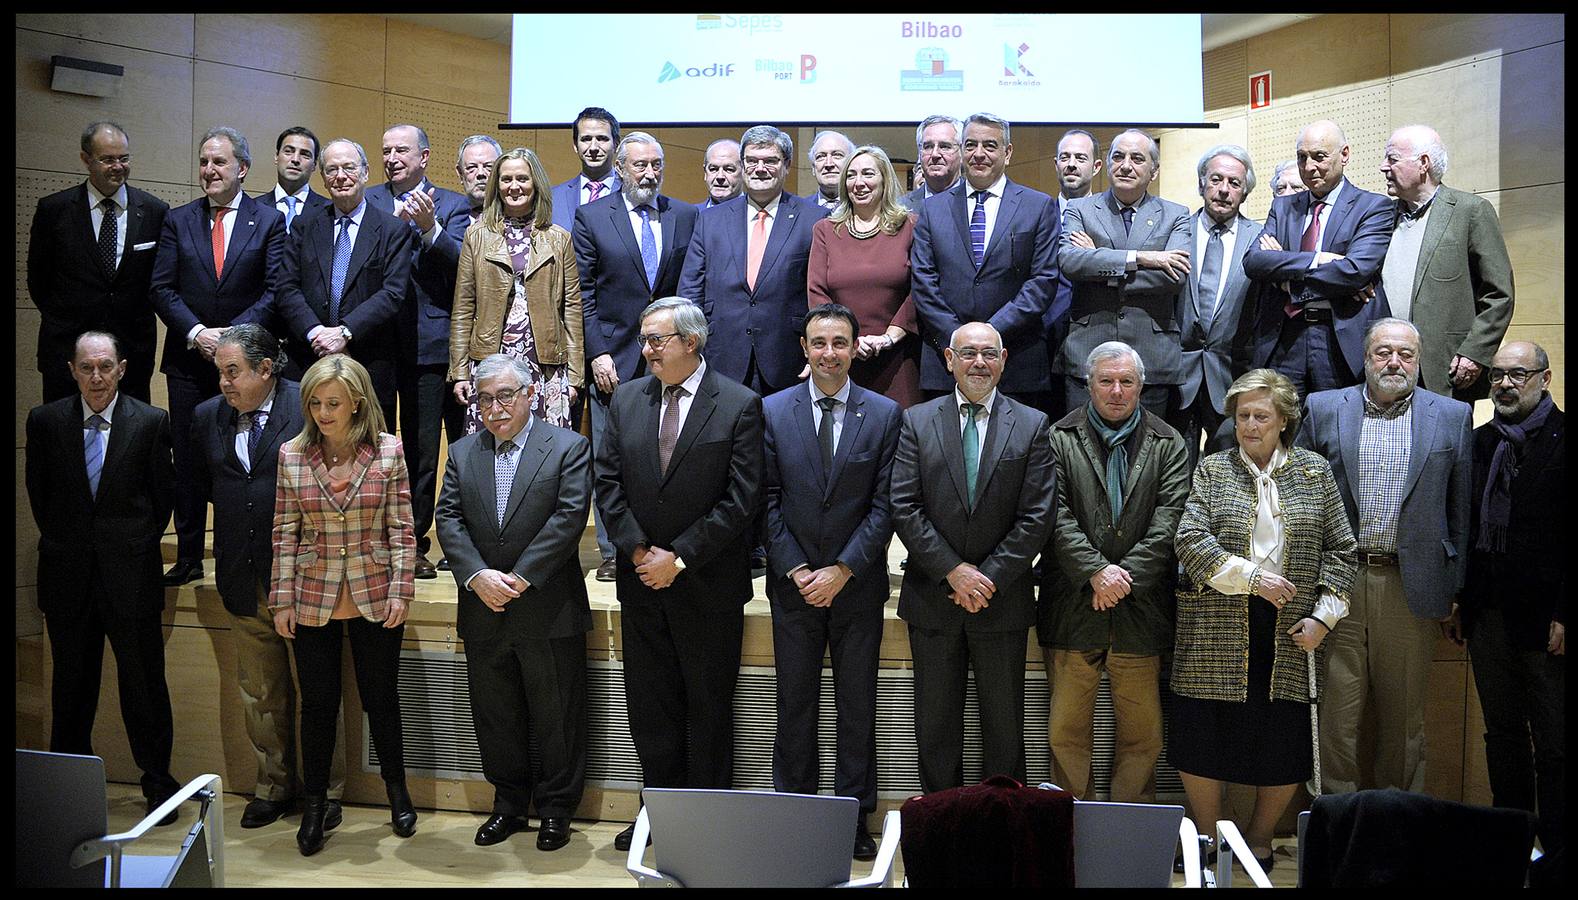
344,560
1268,559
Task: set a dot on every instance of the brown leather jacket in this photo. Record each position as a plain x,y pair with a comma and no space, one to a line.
482,298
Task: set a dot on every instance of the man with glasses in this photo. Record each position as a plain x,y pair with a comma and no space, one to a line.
938,158
1402,459
90,264
679,478
1515,603
746,268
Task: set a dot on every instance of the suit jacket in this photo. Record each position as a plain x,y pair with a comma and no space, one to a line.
315,200
1012,289
69,287
1462,300
567,198
243,498
765,321
375,285
703,508
999,531
1109,303
1207,350
368,541
1432,527
185,292
1359,228
423,322
614,287
817,518
549,500
87,543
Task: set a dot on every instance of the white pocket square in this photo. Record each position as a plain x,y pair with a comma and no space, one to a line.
146,246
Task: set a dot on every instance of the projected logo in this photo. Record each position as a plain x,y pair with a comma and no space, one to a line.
672,72
1015,72
755,24
787,69
931,73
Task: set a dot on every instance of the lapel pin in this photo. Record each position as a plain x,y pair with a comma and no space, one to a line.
1149,222
859,415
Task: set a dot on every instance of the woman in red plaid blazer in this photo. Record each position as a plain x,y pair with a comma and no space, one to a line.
344,558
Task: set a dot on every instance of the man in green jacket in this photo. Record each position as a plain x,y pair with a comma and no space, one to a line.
1107,596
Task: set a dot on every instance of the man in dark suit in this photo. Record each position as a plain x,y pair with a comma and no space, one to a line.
972,500
295,157
679,477
829,150
630,248
88,269
829,455
1211,304
746,268
235,449
1318,270
1402,459
937,140
346,271
1515,601
720,166
217,264
594,135
437,219
986,252
1127,255
474,163
510,518
100,483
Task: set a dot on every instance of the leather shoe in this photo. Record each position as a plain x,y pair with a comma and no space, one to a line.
553,833
309,837
332,816
1266,862
424,569
498,828
183,571
402,814
260,812
624,839
443,564
865,847
156,802
758,562
607,570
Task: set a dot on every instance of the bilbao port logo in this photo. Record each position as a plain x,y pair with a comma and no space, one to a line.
672,72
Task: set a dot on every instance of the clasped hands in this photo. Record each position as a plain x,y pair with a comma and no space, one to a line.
655,566
820,586
1308,632
971,588
496,589
1322,257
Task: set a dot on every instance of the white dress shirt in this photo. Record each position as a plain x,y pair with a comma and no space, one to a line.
839,409
635,223
1202,237
750,216
691,385
244,430
96,215
994,202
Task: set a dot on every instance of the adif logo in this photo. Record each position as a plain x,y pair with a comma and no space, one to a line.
669,73
672,72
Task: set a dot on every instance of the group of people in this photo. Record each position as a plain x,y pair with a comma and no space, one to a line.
1209,445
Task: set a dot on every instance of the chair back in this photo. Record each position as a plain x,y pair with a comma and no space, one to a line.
60,803
716,838
1303,828
1125,845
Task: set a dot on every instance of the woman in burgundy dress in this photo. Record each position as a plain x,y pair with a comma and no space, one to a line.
860,257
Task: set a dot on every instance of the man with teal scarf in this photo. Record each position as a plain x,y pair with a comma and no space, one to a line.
1107,595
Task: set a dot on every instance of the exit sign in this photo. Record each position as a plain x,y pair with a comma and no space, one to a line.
1259,90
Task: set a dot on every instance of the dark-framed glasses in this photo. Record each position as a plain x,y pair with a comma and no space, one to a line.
656,341
502,398
1518,377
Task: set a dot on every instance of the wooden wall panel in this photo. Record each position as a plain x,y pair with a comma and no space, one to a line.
1425,40
170,33
1181,149
1554,339
446,126
1321,55
447,68
1533,133
1533,222
1225,73
344,49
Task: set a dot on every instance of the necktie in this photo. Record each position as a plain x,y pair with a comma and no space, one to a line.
342,265
1128,220
649,254
1308,243
1210,274
290,212
668,430
93,450
218,238
978,228
255,434
503,476
756,249
594,189
109,236
824,432
972,448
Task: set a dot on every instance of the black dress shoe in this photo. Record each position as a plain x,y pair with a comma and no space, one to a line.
309,837
865,847
424,569
156,802
260,812
443,564
183,571
402,815
608,570
333,816
498,828
758,562
553,833
623,839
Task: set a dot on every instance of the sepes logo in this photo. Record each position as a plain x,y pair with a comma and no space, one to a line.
1015,72
752,24
785,69
931,73
672,72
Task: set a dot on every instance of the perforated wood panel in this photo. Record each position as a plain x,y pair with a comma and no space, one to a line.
1364,115
446,127
1225,72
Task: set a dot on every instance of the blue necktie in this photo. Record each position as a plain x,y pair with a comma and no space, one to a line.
290,212
1128,219
1210,274
978,228
342,265
503,477
649,254
93,450
255,434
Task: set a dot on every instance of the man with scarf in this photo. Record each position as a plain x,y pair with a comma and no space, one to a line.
1514,602
1107,596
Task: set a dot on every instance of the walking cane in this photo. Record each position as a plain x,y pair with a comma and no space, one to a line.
1314,783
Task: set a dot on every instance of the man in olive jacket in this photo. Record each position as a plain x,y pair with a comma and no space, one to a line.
1106,598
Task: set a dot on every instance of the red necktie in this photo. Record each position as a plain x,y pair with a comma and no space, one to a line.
1309,243
219,241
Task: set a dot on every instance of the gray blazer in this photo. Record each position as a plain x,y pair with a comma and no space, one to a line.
1432,527
1111,304
1207,347
1000,532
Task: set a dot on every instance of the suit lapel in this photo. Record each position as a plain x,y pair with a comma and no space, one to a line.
1006,207
368,233
115,448
701,408
949,434
999,429
526,467
73,445
1293,225
1338,217
1350,421
789,211
321,248
651,420
201,241
618,218
1435,227
666,217
241,233
134,216
1147,221
1424,426
1222,326
854,417
81,219
959,205
804,431
482,455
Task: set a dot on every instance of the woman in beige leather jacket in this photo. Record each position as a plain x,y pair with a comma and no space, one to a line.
518,292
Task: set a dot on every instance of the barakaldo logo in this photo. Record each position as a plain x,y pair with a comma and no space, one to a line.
672,72
922,28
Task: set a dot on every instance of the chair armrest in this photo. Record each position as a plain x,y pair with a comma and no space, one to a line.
882,870
644,875
111,845
1229,842
1189,847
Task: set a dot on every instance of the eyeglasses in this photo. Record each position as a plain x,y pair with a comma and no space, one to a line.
352,169
113,160
1382,354
656,341
766,162
502,398
968,354
1518,377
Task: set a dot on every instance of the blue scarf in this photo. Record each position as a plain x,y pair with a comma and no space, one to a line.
1117,456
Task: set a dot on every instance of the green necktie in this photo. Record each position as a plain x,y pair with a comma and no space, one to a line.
972,449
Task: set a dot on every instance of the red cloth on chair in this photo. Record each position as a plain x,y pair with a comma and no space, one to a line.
998,833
